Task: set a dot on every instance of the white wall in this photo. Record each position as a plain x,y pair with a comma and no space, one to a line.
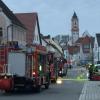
19,33
75,37
36,35
55,44
96,50
43,43
4,22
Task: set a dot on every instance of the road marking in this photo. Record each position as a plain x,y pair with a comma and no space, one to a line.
81,77
70,79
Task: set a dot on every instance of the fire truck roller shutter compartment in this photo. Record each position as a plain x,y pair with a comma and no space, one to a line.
16,63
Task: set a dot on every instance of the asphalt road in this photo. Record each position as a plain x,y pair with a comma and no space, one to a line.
68,90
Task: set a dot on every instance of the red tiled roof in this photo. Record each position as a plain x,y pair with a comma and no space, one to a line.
29,20
84,40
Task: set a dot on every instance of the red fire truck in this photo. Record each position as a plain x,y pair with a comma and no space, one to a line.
26,69
3,60
53,66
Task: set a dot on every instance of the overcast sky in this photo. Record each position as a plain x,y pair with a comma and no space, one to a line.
55,15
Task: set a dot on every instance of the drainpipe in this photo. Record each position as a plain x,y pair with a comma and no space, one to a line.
11,25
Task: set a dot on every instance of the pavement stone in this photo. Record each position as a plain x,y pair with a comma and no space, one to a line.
90,91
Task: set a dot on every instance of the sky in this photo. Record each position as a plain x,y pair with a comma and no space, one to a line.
55,15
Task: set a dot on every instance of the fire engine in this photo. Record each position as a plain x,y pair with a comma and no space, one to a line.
53,66
23,68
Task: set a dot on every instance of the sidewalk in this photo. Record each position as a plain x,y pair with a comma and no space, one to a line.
91,91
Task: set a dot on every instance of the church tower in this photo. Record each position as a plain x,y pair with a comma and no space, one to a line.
74,28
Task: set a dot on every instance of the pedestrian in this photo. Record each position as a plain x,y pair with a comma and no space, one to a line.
91,71
65,68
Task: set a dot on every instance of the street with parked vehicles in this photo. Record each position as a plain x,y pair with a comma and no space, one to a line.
39,60
70,88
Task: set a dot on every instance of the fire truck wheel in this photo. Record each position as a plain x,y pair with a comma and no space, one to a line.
38,89
28,88
47,86
8,91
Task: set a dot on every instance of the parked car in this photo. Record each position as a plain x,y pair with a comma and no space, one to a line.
97,66
94,72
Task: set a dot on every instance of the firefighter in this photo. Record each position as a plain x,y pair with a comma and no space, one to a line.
65,68
91,70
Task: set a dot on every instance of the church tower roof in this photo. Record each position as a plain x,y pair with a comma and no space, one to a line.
74,16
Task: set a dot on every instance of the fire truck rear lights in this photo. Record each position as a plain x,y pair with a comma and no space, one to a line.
34,73
5,77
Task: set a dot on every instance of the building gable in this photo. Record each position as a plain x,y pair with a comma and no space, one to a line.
10,14
86,33
37,38
30,20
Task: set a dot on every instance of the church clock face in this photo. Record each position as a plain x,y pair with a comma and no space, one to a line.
75,23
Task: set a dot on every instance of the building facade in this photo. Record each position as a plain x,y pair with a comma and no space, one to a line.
80,49
11,29
62,38
97,48
31,22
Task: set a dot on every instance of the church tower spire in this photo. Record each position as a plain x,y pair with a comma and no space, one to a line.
74,28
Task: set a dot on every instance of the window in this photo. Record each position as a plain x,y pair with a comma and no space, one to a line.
1,33
42,61
86,46
75,22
